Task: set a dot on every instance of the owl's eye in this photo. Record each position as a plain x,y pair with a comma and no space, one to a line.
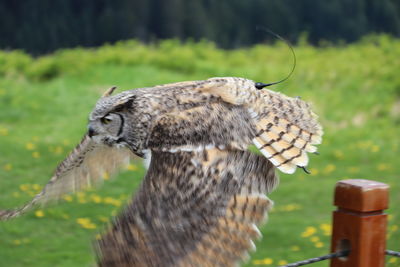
105,120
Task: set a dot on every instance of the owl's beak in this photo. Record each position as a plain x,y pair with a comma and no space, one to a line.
91,132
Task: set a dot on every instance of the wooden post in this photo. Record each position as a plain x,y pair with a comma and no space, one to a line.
359,223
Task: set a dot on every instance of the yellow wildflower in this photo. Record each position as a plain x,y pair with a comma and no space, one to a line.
7,167
310,230
257,262
295,248
98,237
66,142
365,144
392,260
81,197
103,219
383,167
24,187
36,187
112,201
314,239
282,262
30,146
394,228
15,194
353,169
86,223
326,228
375,148
319,245
329,168
17,242
82,220
82,200
291,207
106,176
314,171
266,261
95,198
36,155
58,150
67,198
3,131
39,213
89,226
131,167
338,154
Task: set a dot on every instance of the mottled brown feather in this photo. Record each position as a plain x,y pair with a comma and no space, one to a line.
185,213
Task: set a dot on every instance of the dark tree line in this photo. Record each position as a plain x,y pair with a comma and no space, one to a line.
41,26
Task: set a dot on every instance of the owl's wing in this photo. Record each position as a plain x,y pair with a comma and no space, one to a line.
193,209
231,112
85,166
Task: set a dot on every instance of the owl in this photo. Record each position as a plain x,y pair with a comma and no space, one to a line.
204,193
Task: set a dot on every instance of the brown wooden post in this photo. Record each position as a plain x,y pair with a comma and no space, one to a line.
359,223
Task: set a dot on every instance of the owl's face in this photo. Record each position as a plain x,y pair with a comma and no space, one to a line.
107,129
119,121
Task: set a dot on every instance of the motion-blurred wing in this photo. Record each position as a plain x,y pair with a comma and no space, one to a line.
85,166
193,209
231,112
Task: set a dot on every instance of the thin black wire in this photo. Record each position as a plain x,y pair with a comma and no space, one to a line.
393,253
339,254
259,28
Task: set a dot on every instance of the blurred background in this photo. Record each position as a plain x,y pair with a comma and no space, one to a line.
57,57
44,26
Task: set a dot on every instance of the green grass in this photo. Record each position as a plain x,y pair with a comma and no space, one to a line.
44,104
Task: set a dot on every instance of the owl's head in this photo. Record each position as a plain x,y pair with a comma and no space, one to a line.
113,121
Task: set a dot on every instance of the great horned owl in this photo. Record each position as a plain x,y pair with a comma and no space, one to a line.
204,193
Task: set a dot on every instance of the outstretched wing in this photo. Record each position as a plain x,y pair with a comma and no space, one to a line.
85,166
232,113
193,209
204,192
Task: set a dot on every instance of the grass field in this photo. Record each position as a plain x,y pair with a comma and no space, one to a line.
44,104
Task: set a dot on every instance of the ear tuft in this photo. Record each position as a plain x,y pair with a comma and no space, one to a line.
109,91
